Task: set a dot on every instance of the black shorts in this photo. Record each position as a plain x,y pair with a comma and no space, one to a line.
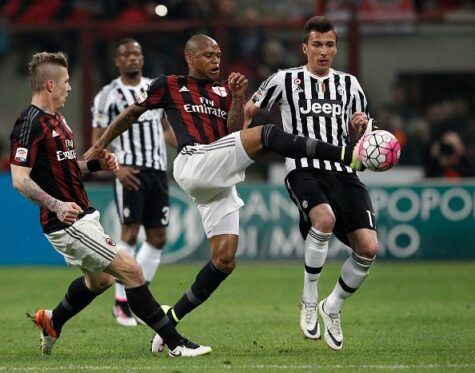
149,206
345,193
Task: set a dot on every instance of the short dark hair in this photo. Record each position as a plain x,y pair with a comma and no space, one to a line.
318,23
126,41
38,74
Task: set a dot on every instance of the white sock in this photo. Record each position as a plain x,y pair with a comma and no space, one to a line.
353,272
149,257
119,288
316,249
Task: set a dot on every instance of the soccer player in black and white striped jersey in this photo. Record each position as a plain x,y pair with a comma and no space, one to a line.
319,102
140,185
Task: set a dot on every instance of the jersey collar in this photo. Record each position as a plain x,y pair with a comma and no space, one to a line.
330,72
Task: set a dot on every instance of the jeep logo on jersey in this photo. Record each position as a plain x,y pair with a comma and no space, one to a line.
326,108
185,233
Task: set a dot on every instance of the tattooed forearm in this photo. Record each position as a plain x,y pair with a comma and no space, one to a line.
122,123
236,115
34,193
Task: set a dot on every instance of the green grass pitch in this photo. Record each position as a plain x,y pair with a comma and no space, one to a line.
417,316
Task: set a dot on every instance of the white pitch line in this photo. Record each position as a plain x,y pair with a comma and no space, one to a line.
232,366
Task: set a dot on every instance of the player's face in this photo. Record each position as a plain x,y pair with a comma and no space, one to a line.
129,59
320,50
60,87
206,60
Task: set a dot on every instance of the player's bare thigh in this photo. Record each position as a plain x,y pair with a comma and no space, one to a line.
252,142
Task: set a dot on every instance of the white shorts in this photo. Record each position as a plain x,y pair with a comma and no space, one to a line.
85,244
209,173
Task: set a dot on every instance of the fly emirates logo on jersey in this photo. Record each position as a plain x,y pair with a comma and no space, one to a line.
67,154
326,108
206,106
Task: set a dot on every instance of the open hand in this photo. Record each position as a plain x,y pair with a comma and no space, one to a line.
126,176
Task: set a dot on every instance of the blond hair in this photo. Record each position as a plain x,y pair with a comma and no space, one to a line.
40,68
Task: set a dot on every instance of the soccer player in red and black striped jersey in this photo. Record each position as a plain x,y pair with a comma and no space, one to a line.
46,171
207,117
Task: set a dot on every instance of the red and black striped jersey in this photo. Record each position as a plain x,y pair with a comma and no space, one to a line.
197,109
44,143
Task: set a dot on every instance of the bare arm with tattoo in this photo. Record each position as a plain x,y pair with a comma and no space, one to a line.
120,124
67,212
237,84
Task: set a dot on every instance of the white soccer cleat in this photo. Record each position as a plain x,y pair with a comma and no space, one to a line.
123,314
157,344
309,320
48,335
189,349
333,334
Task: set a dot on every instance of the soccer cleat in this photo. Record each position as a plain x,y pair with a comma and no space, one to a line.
123,315
333,334
309,320
356,162
157,344
189,349
48,335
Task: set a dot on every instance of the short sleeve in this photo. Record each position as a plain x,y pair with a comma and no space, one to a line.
155,96
24,141
269,92
359,102
100,109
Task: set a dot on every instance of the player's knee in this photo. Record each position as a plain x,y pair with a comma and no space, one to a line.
225,263
130,272
324,222
157,241
369,249
135,273
102,283
130,233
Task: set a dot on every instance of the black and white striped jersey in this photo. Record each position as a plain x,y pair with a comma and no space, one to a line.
313,106
143,145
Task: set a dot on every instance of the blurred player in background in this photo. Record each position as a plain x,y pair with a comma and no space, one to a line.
319,102
45,170
140,185
207,117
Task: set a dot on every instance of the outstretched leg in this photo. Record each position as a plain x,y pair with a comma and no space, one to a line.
269,137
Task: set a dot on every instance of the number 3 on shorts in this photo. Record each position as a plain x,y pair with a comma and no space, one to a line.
166,215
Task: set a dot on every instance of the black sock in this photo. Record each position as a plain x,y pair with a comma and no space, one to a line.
207,281
143,304
76,299
293,146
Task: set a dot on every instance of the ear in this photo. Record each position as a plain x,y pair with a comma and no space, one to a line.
304,48
189,59
50,85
